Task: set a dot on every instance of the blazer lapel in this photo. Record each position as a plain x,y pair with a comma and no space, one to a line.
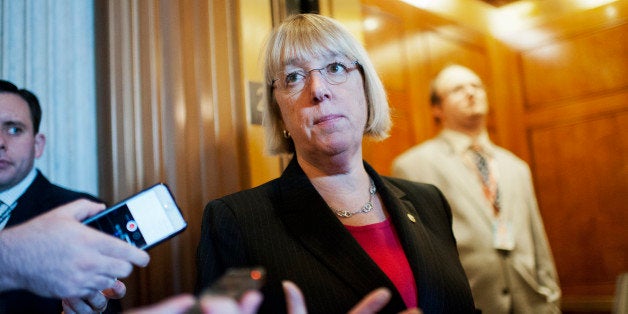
418,247
325,237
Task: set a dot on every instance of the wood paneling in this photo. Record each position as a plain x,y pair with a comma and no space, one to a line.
171,110
385,44
563,69
583,165
575,110
255,22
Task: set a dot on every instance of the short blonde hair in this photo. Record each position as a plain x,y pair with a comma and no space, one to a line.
304,36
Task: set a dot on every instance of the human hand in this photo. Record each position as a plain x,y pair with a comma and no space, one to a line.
96,302
295,302
217,304
55,255
371,303
375,301
178,304
209,304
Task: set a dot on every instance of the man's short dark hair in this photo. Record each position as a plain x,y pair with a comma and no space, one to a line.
30,98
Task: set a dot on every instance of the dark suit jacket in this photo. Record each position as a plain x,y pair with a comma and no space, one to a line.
286,226
40,197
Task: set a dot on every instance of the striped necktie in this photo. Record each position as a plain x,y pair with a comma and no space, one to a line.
5,213
489,183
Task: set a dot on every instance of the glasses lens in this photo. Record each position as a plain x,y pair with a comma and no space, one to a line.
334,73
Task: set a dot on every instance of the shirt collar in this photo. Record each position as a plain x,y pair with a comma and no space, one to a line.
11,195
461,142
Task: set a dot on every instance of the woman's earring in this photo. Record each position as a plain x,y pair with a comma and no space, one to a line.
286,134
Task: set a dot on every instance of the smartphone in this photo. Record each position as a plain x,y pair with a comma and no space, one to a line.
236,281
144,219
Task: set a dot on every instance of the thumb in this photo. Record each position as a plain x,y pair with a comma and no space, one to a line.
81,209
373,302
294,298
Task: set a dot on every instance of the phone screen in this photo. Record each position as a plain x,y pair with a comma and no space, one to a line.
144,219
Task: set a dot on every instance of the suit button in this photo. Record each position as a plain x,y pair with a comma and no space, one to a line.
505,291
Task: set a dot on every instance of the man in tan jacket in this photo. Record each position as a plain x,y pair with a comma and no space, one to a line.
497,225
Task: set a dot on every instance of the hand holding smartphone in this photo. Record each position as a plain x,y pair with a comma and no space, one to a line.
234,283
144,219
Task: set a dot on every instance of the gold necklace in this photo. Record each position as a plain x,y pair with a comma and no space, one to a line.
343,213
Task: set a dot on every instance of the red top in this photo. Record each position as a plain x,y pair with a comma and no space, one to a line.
381,243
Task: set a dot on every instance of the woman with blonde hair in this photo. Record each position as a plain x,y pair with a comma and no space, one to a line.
330,223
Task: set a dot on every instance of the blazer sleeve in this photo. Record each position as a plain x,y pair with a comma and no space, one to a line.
219,233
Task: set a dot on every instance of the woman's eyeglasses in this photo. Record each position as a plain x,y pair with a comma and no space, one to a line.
334,73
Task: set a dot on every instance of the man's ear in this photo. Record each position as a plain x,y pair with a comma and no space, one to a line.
437,112
40,143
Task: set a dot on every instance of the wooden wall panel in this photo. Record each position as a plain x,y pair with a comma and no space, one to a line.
256,21
563,69
171,110
387,51
575,103
445,50
583,213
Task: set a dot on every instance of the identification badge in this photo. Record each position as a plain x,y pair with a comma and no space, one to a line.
503,236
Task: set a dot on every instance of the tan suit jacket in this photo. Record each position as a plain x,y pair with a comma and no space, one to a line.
525,279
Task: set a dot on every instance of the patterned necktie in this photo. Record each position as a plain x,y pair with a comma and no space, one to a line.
5,213
488,180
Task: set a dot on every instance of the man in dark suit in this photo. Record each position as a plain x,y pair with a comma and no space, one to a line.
24,191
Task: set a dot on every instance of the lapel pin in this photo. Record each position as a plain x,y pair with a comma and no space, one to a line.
411,218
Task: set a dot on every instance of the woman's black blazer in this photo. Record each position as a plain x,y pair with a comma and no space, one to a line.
285,226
